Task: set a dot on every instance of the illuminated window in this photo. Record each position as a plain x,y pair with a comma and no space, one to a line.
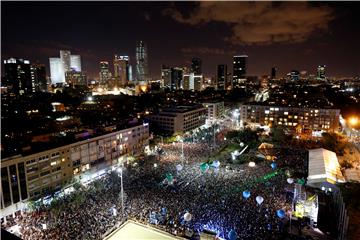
286,113
267,111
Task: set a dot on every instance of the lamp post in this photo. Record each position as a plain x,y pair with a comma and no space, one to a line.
182,149
122,190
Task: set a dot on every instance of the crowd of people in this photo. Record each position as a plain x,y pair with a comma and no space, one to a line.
213,197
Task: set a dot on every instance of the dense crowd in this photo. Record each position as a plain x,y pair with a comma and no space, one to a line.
212,197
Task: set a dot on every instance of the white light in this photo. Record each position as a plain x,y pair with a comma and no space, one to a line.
252,164
155,165
90,98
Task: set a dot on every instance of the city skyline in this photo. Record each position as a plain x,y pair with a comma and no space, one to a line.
187,31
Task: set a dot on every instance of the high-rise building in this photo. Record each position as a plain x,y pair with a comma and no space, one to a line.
59,66
196,66
105,74
193,82
75,63
294,75
239,69
273,73
176,78
65,59
321,72
165,76
121,70
142,71
76,78
172,77
221,77
56,71
38,77
18,76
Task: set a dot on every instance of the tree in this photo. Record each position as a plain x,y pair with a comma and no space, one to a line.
278,134
334,142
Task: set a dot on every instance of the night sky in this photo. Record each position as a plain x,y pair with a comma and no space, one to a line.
287,35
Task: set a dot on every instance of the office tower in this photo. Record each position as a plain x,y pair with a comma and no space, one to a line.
65,59
273,73
104,74
186,81
75,63
321,72
130,73
38,77
294,75
239,69
56,71
76,78
165,76
196,66
193,82
176,78
221,77
142,71
17,75
121,70
59,66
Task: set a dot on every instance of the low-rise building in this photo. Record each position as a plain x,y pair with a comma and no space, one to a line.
179,119
303,119
37,175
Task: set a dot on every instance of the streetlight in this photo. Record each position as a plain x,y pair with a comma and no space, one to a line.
122,189
353,121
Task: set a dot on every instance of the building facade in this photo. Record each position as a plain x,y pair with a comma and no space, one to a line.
17,75
304,119
221,77
60,66
179,119
76,78
215,110
75,63
321,72
121,70
39,174
104,74
38,77
142,68
239,69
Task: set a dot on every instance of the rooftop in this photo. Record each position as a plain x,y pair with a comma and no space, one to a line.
136,231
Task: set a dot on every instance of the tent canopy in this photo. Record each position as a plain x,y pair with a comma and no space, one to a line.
324,167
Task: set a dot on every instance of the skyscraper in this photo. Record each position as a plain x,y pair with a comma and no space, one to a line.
121,70
239,69
75,63
294,75
65,59
18,76
56,71
321,72
196,66
38,77
105,74
142,71
221,76
165,76
176,78
66,63
76,78
273,73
